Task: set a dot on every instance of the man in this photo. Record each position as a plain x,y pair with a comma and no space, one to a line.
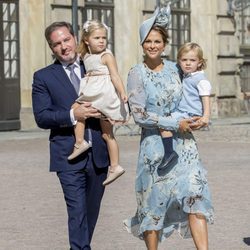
54,90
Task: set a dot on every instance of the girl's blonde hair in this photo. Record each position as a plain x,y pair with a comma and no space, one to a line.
193,46
88,28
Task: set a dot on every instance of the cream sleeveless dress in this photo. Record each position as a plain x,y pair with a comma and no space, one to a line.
96,87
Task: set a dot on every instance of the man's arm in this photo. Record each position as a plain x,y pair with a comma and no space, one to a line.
47,115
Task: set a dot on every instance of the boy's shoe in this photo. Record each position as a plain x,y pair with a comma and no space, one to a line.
167,163
113,175
79,149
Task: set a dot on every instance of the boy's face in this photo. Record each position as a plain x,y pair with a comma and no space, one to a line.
189,62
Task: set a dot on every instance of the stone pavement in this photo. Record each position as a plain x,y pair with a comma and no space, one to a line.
33,213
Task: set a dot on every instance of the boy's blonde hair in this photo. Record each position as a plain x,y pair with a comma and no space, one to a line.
88,28
196,47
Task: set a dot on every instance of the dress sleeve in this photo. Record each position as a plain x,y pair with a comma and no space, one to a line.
137,103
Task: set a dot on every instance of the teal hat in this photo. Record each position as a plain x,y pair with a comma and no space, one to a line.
161,17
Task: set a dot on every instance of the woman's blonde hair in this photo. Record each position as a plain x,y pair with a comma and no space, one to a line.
195,47
88,28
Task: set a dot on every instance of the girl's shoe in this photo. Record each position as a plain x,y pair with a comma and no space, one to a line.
113,175
79,149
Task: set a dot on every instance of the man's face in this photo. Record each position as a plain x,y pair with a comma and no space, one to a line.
63,45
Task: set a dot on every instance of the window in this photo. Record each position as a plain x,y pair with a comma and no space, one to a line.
102,10
241,10
10,40
245,77
179,30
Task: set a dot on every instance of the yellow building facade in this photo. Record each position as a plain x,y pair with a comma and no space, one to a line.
222,28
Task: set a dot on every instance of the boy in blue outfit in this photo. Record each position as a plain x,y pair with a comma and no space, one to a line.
195,99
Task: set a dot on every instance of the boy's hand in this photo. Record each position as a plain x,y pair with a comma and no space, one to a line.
205,120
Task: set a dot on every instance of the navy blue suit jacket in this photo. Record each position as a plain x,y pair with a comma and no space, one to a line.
52,97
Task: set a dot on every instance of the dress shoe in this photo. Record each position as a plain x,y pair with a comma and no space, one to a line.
167,163
113,174
79,149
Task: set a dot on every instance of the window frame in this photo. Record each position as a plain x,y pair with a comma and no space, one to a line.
100,7
179,10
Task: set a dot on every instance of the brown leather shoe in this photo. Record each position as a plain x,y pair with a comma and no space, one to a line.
113,175
79,149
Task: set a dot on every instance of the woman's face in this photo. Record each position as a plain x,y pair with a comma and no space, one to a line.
153,45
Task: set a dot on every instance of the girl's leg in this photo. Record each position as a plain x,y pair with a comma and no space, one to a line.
80,145
115,170
79,127
108,136
79,130
151,238
198,226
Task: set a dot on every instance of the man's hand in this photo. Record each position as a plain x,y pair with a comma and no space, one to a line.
85,111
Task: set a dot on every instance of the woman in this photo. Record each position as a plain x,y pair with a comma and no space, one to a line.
177,198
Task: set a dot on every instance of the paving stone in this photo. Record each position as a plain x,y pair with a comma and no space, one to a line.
33,212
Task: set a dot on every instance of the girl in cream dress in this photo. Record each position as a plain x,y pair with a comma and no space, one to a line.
102,86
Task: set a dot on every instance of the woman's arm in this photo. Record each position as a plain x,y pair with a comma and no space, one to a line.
137,102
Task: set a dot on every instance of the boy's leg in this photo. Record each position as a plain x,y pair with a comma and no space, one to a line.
170,156
167,140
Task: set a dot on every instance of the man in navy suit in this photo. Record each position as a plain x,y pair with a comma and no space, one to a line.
53,94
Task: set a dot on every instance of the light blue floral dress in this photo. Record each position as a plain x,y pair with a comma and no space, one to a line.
164,201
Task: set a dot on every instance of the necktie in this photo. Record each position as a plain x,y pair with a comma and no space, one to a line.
73,77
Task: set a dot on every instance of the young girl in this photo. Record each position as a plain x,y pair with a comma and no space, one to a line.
103,87
195,99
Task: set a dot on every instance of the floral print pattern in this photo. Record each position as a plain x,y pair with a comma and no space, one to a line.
163,202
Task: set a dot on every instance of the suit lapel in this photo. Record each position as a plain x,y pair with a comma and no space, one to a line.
60,74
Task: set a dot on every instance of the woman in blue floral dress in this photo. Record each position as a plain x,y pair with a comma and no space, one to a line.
178,199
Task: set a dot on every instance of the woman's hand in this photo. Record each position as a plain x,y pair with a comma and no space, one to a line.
184,125
198,122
